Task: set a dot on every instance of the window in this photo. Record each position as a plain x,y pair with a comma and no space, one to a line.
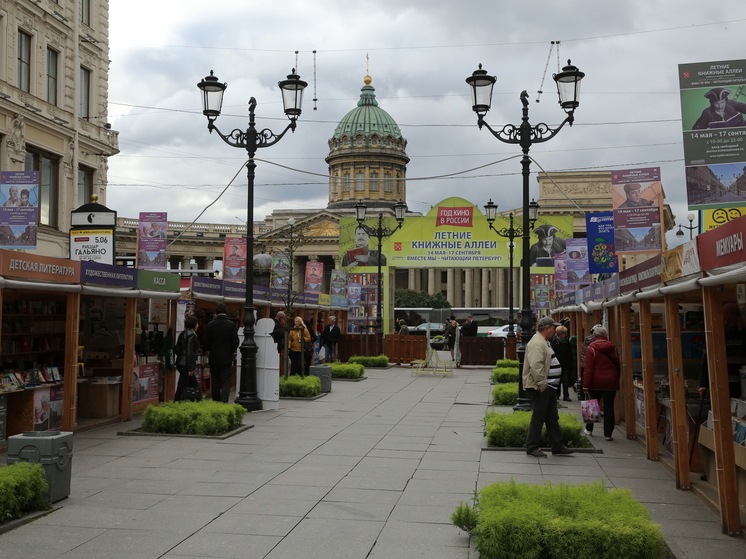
24,61
374,182
85,11
359,182
387,182
346,182
52,76
85,93
85,186
49,177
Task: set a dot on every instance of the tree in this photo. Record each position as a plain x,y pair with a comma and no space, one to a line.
409,298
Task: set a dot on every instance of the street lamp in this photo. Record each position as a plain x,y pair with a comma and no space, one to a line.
525,135
250,140
510,233
400,209
691,227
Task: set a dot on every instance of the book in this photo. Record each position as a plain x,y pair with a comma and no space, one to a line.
56,374
353,252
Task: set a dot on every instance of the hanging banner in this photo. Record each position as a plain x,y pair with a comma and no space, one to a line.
280,271
713,103
152,241
19,212
338,283
234,259
710,219
560,274
602,257
314,276
577,263
636,198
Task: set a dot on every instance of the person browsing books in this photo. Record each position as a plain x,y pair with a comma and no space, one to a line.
361,255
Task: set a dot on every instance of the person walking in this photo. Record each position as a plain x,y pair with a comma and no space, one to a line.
297,337
561,346
541,379
278,336
450,334
403,328
330,337
601,378
186,350
469,328
586,342
221,340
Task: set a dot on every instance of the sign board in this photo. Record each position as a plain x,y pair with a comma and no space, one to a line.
96,245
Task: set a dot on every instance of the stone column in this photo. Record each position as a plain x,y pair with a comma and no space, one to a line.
431,281
450,287
411,279
486,295
468,288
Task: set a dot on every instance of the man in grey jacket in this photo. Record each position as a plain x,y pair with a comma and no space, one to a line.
541,379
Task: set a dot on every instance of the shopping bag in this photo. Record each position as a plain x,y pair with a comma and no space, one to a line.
322,353
591,411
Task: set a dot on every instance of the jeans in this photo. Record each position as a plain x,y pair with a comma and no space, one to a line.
607,397
330,353
545,412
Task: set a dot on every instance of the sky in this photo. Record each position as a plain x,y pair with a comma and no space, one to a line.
419,54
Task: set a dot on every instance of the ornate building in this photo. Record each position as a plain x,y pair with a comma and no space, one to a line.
54,73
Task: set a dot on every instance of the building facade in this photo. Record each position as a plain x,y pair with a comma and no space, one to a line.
54,66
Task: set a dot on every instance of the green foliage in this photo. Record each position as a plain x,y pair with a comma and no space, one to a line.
504,374
510,430
300,387
376,361
505,394
23,489
408,298
193,418
465,517
347,370
563,522
507,363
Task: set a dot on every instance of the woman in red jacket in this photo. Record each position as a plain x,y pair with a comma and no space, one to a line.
601,377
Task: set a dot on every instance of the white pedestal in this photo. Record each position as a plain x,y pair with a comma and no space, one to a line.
267,364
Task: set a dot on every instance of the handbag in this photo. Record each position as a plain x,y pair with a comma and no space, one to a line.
591,411
192,392
307,347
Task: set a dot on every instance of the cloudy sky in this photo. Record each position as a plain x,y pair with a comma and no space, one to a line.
419,54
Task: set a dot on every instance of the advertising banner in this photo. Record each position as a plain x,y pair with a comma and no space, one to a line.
314,276
560,274
636,198
602,258
19,212
280,271
710,219
577,263
713,103
338,284
234,259
722,246
95,245
152,241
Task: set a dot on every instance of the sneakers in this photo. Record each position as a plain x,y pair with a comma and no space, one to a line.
587,433
609,438
537,454
563,452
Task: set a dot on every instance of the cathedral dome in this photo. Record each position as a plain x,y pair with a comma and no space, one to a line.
367,118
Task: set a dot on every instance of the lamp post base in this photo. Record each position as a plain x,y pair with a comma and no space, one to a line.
251,403
524,403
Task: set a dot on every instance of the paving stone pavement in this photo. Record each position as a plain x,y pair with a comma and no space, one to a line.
372,470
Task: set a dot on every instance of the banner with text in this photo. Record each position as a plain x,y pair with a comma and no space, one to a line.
637,195
234,259
19,213
602,257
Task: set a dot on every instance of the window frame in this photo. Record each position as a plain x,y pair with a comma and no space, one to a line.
84,106
48,166
23,58
53,80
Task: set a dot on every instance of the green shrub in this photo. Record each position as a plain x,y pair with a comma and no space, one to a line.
347,370
193,418
295,386
510,430
465,517
505,394
561,521
23,489
438,339
504,374
507,363
377,361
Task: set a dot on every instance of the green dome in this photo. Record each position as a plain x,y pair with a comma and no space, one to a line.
367,118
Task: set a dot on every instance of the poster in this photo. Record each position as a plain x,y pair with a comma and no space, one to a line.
602,258
713,103
19,211
152,241
338,283
577,263
637,195
314,276
234,259
281,272
145,383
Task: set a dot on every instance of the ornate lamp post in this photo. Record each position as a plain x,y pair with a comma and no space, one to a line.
525,135
691,227
251,139
380,232
510,233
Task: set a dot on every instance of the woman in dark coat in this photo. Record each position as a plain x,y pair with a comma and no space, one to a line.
601,377
186,349
563,350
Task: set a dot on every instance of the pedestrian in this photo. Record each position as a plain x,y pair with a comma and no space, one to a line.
187,347
469,328
297,338
221,340
586,342
330,337
403,328
278,335
562,349
450,334
309,350
601,378
541,379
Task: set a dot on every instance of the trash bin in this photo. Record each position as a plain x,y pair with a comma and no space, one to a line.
53,450
324,372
